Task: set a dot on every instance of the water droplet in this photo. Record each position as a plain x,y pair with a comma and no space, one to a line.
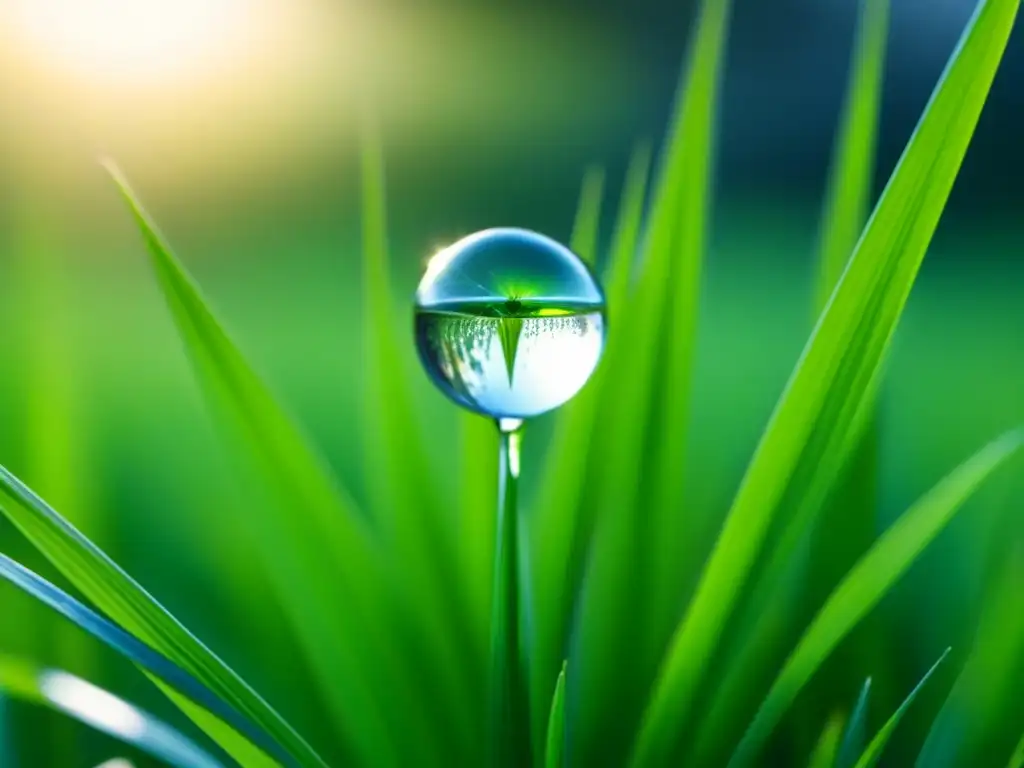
509,322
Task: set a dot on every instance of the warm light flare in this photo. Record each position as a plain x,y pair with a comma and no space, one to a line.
129,40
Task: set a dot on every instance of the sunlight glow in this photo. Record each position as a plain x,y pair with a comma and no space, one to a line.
136,40
92,705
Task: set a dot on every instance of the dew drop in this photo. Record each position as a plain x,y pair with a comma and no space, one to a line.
509,323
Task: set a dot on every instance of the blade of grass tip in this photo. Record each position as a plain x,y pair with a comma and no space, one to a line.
99,709
619,600
847,522
837,369
227,727
853,736
868,582
974,725
586,226
824,754
318,555
424,569
556,724
869,757
561,526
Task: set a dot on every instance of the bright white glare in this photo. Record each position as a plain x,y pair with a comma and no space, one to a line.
92,705
117,762
135,40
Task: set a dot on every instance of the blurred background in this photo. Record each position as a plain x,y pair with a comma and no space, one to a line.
237,122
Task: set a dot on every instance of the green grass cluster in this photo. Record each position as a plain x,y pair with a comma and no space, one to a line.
637,649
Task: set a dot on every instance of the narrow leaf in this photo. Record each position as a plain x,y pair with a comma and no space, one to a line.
588,216
838,370
318,554
101,710
853,736
874,750
867,583
824,754
1016,759
556,724
223,723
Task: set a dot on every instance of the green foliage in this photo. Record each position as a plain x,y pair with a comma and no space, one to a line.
602,650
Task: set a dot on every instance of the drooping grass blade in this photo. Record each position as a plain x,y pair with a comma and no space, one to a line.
869,757
835,376
853,735
224,724
320,558
869,580
101,710
649,364
555,742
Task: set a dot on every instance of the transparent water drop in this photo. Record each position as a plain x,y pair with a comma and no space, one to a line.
509,322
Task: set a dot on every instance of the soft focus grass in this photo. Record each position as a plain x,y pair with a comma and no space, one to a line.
350,560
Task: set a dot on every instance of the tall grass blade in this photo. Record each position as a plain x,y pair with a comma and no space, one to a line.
846,523
971,727
869,757
424,566
561,526
869,580
656,335
586,226
221,721
824,754
1017,758
101,710
853,736
318,554
556,725
817,414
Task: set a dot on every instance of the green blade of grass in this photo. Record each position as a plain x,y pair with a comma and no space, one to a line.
656,335
101,710
824,754
318,555
846,523
586,226
556,725
972,727
869,580
219,720
848,200
561,526
853,736
869,757
424,563
836,372
1017,758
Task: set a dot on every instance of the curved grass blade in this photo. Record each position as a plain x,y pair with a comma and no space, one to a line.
824,754
319,555
873,751
973,727
853,736
586,226
255,745
649,366
869,580
101,710
561,528
838,369
556,725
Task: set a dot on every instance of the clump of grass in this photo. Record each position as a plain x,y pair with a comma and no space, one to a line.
387,608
